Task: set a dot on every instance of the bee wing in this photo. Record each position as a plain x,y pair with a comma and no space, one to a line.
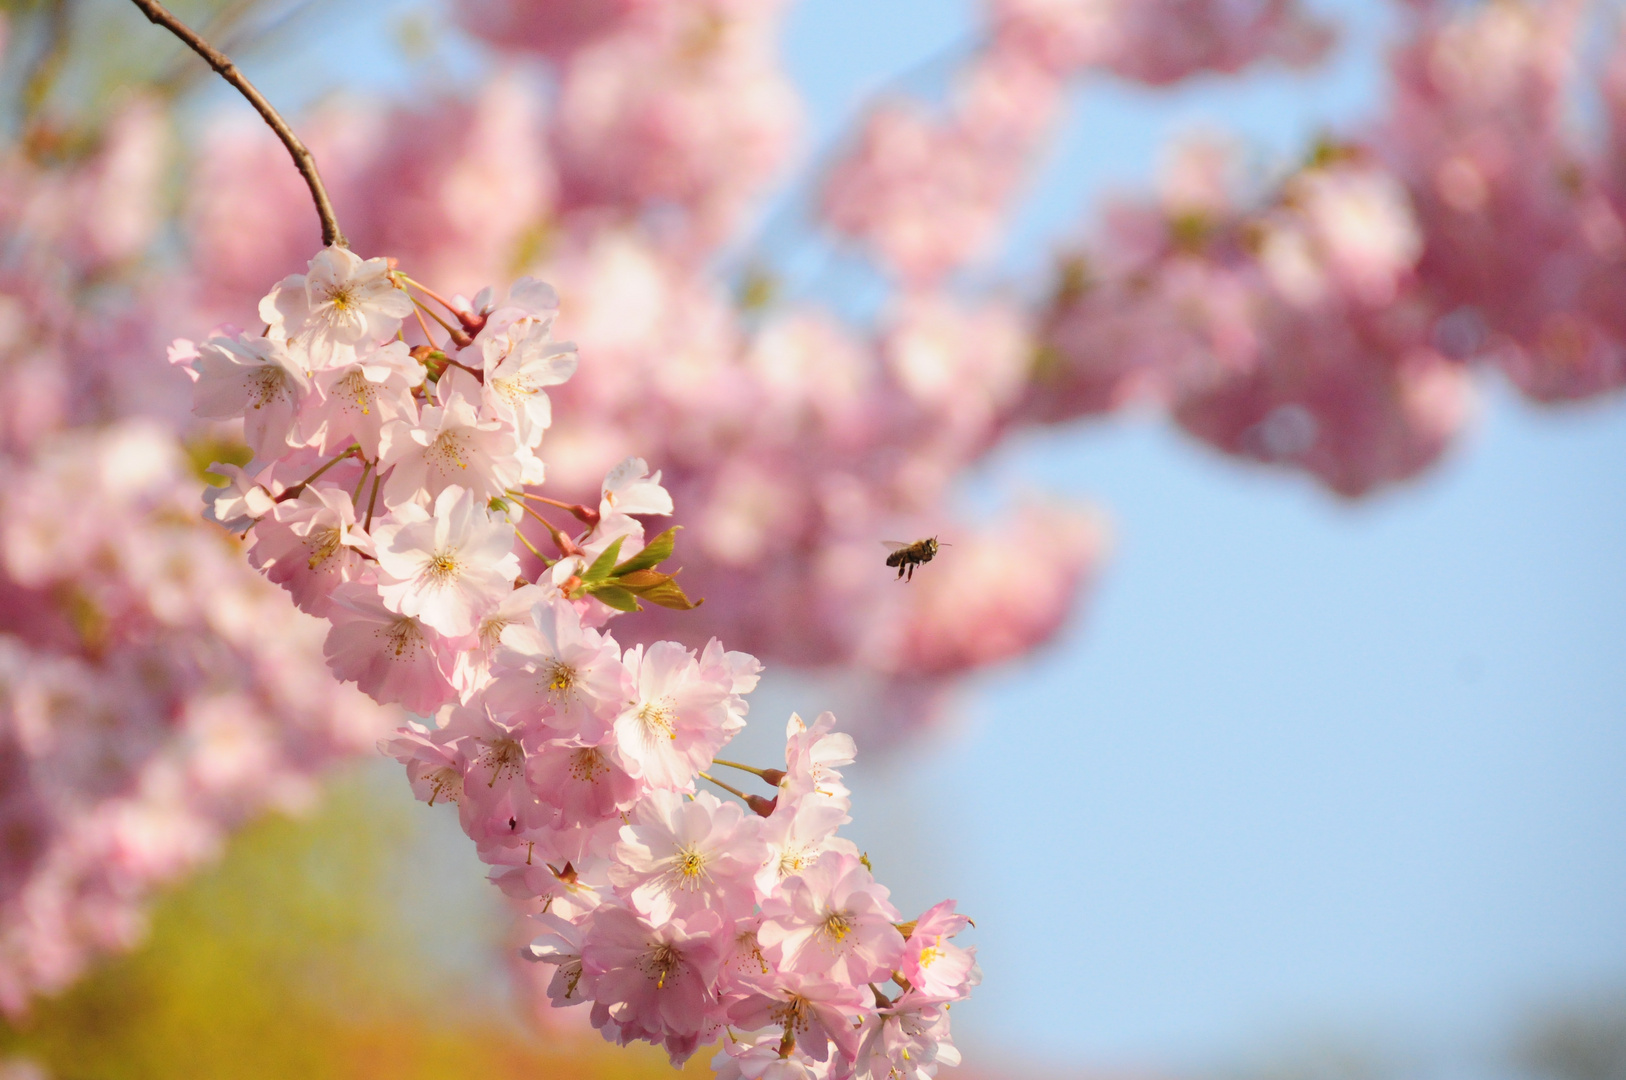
893,545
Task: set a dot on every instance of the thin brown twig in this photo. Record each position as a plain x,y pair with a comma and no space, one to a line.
304,160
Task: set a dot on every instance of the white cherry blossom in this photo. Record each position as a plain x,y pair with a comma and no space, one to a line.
447,568
257,379
520,364
340,303
355,400
449,445
629,489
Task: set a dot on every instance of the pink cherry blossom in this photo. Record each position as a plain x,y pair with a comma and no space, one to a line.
242,500
561,947
762,1059
552,668
934,966
519,366
681,855
391,657
676,722
310,546
449,445
800,829
433,768
652,981
497,804
833,920
355,400
907,1039
813,756
629,489
817,1013
586,782
473,671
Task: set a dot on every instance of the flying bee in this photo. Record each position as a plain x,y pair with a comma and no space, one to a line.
908,556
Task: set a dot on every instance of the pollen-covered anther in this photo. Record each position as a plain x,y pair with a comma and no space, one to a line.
356,387
562,679
404,637
836,926
445,783
341,296
657,718
442,567
689,868
269,384
661,963
448,450
588,765
324,544
504,757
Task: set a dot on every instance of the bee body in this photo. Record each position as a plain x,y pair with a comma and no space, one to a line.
908,556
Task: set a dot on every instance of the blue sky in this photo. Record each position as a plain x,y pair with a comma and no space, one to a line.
1304,767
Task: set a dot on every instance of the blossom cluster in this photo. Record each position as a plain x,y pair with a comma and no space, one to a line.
1333,320
155,693
385,494
1333,324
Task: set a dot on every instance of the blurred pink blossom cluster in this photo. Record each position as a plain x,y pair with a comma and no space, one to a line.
1333,325
928,190
154,693
387,493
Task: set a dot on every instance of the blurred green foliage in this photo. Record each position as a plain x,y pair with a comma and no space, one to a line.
66,63
297,957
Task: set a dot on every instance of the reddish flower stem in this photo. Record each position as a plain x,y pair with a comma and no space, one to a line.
565,545
585,514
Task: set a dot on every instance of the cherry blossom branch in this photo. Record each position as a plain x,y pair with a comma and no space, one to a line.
304,160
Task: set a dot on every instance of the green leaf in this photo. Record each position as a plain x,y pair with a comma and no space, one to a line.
655,552
604,564
669,594
641,580
615,597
